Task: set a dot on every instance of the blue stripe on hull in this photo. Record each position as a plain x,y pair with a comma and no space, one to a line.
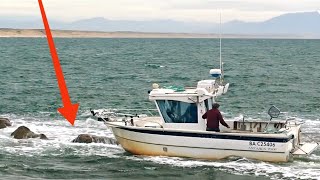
197,147
214,136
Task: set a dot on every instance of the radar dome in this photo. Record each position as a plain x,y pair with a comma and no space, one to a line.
215,73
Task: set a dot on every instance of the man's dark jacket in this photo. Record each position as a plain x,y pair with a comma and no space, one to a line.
213,117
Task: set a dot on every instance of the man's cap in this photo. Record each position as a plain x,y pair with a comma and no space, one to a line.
215,105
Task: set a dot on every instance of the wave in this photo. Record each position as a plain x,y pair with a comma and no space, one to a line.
60,135
242,166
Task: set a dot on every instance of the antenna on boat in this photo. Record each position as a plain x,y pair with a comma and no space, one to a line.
218,73
221,68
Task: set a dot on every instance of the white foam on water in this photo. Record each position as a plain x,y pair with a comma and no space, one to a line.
61,133
290,170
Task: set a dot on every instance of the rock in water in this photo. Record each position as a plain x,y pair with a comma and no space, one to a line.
4,122
88,138
24,133
42,136
83,138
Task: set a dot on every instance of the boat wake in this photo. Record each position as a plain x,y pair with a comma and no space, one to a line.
242,166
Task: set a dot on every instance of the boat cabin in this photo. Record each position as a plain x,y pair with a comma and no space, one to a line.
182,108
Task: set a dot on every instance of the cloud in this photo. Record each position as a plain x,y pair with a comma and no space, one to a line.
185,10
250,5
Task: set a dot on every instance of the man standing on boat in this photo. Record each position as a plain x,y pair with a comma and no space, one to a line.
213,117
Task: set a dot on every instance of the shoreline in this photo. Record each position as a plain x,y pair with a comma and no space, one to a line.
40,33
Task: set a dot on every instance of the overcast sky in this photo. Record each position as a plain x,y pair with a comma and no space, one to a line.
182,10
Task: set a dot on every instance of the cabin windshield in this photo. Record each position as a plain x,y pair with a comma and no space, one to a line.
178,112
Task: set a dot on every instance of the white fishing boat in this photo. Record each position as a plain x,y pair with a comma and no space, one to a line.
180,131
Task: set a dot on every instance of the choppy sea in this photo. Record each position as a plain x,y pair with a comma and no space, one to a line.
117,74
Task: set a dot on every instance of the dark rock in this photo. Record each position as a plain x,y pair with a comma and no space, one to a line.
83,138
42,136
88,138
24,133
4,122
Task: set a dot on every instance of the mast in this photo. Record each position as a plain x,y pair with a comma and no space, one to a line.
221,66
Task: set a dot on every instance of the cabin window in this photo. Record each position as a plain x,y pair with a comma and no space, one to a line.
178,112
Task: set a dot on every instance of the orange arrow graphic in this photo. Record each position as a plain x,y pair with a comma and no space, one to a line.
69,110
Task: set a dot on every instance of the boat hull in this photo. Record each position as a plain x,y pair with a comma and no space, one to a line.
209,145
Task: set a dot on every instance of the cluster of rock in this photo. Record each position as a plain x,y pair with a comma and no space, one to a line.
23,132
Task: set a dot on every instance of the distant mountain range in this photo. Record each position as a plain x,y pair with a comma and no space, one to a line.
305,24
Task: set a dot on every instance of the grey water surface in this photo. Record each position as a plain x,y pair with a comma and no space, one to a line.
117,73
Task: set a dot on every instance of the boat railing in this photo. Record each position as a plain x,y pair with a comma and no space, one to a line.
114,113
151,112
